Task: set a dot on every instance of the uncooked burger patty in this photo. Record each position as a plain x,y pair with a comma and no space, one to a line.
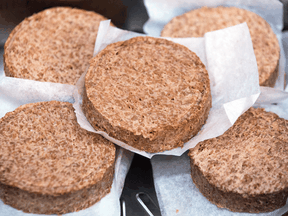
48,163
54,45
150,93
246,168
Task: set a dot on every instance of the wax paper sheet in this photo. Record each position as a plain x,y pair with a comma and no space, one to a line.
229,58
162,11
15,92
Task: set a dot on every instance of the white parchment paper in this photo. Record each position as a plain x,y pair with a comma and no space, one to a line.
162,11
15,92
229,58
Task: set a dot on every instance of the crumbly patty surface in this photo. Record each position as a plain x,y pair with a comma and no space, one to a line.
247,164
266,47
54,45
44,150
150,88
